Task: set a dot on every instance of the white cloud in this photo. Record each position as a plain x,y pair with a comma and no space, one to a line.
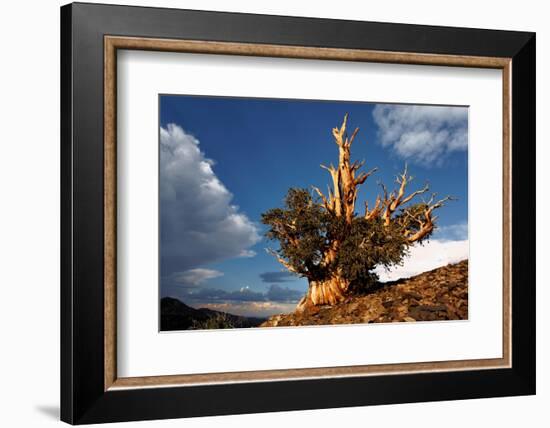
199,222
247,253
422,134
422,258
194,277
453,232
250,309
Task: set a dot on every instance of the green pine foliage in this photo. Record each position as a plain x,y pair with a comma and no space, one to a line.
305,231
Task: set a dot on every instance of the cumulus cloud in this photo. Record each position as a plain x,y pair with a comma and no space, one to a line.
422,258
194,277
199,222
422,134
279,276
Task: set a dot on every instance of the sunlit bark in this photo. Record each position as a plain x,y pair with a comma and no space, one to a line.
340,201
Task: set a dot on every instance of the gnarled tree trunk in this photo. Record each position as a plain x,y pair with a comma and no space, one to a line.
341,203
326,292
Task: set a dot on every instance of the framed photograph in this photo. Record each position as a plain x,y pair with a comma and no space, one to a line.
266,213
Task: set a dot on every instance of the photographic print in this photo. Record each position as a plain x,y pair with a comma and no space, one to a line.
289,213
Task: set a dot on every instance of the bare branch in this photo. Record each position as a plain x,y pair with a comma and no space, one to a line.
394,200
287,265
349,141
339,133
441,202
283,230
384,190
329,168
415,218
363,176
323,198
415,194
426,225
431,199
344,123
357,165
369,215
402,180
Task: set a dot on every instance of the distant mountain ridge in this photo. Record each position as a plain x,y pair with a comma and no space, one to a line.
439,294
176,315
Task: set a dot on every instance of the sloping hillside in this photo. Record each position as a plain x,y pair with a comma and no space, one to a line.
440,294
176,315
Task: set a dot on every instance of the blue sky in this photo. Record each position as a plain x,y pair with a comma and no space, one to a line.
225,161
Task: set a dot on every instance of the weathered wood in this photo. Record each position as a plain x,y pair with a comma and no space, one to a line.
340,201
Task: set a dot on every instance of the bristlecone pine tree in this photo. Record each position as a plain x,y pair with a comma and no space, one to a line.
326,241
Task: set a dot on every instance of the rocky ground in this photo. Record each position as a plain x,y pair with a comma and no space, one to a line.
440,294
